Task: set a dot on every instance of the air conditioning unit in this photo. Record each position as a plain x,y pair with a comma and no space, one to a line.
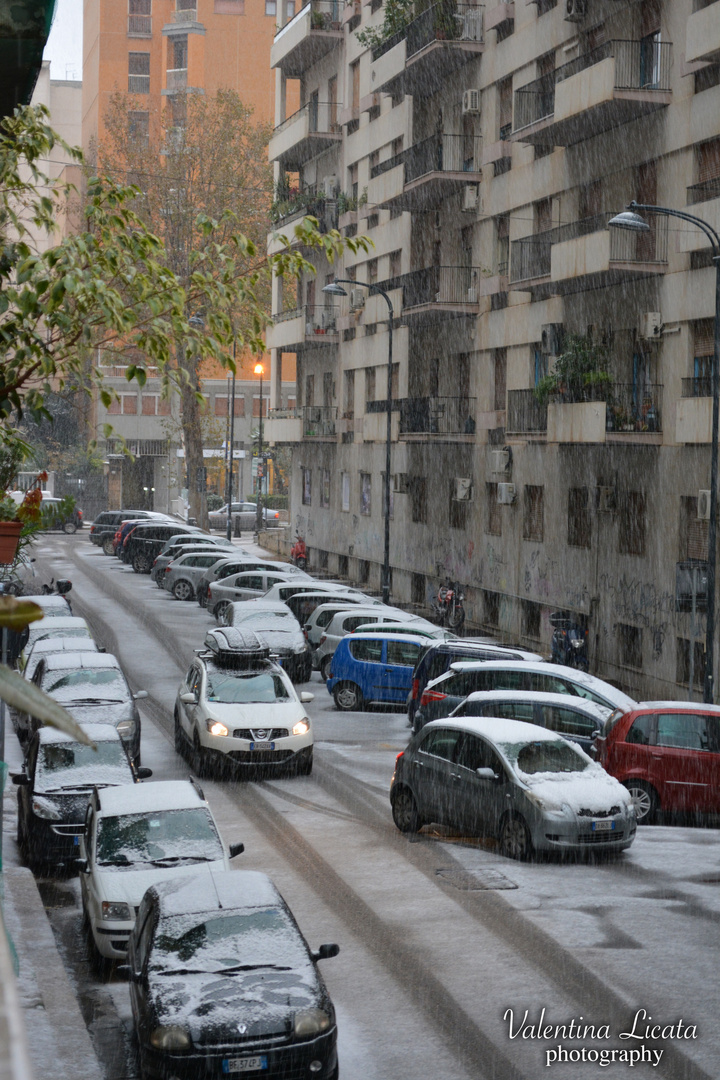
606,500
471,103
357,299
500,460
471,198
327,320
703,512
401,483
551,339
651,327
471,25
575,10
462,489
506,494
330,185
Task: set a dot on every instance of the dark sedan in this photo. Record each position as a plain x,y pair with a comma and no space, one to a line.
223,982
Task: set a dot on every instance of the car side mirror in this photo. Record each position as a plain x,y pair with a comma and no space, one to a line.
595,734
236,849
133,976
187,698
140,695
143,773
82,865
21,779
306,697
487,774
326,952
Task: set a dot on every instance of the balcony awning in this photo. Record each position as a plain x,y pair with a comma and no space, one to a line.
24,29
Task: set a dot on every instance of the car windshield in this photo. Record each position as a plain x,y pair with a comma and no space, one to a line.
49,632
546,756
62,766
244,688
281,619
106,683
165,837
261,938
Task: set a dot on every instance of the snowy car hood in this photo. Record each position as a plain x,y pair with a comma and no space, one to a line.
119,883
283,639
257,714
593,789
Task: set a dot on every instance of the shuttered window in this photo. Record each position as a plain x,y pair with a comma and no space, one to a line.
708,160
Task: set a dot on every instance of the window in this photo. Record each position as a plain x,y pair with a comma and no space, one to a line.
178,53
458,510
542,215
568,721
306,486
392,496
229,7
139,127
533,513
685,731
682,668
505,107
372,271
345,490
631,539
493,517
540,364
370,384
325,488
440,743
368,651
139,17
343,565
417,589
502,244
395,263
531,613
256,405
544,6
693,534
348,394
355,86
363,571
418,498
578,518
222,405
629,639
404,653
271,7
703,352
640,732
154,405
707,78
365,494
126,404
491,608
139,73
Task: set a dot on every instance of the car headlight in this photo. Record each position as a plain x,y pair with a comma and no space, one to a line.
311,1022
170,1038
44,808
126,729
550,806
215,727
302,726
115,911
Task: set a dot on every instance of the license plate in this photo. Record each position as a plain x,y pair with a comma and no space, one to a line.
263,744
240,1065
76,841
603,826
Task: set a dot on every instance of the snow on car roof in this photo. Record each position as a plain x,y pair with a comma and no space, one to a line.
63,622
152,797
535,666
50,604
63,644
215,891
499,729
685,706
409,639
64,660
97,732
540,698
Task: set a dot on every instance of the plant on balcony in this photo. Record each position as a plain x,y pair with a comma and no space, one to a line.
398,15
291,200
347,203
580,373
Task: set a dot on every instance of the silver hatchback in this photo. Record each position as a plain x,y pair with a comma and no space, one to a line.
183,574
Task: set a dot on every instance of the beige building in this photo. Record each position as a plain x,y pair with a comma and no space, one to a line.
63,100
484,150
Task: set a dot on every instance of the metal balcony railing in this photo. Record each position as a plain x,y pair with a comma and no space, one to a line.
324,15
177,78
697,386
639,65
321,319
319,420
284,414
437,285
322,117
703,192
306,203
525,414
634,407
445,21
138,84
438,153
437,416
140,24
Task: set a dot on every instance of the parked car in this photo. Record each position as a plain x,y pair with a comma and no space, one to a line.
344,622
126,527
106,524
61,519
243,515
523,785
54,605
44,629
92,687
50,646
372,668
145,542
247,585
315,624
667,754
236,565
183,545
303,604
135,838
55,785
334,588
185,571
441,696
419,628
223,982
573,718
237,707
436,659
279,628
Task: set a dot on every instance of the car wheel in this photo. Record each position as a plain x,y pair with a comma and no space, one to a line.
69,527
182,590
141,564
645,798
200,762
108,547
305,764
180,744
220,610
21,837
515,842
405,811
348,697
99,964
325,668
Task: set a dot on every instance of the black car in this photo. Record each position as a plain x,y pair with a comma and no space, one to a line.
146,541
56,784
223,982
107,523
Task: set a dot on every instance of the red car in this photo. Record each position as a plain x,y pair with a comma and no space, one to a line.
666,753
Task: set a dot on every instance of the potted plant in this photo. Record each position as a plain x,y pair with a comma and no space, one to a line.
579,374
10,529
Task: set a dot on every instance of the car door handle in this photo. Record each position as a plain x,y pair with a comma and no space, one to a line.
388,671
419,764
455,776
657,757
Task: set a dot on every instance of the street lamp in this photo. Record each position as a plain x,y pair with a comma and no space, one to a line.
630,219
260,470
231,439
335,289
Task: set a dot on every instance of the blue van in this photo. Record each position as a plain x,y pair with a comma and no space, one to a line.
373,667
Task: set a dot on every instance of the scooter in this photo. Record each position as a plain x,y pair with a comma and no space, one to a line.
569,642
61,587
298,553
448,606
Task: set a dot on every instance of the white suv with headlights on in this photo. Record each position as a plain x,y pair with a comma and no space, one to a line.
237,707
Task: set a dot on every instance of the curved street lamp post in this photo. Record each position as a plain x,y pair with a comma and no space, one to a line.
259,370
335,289
631,220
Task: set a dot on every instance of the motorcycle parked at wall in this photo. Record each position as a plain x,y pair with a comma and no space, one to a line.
448,606
298,553
61,587
569,642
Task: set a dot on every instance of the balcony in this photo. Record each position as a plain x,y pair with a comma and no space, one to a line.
438,293
525,415
693,412
303,326
284,426
441,416
586,254
499,16
319,422
434,170
310,35
176,78
287,212
439,41
633,409
618,82
185,13
139,26
702,32
308,132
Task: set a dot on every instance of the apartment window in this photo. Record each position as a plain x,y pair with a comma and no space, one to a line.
578,518
372,271
126,404
534,513
343,565
540,364
139,73
229,7
396,98
349,394
306,486
500,379
139,127
631,539
325,488
309,390
353,182
531,613
271,7
373,221
707,78
693,534
178,53
333,101
395,264
345,490
222,405
542,215
418,499
629,639
491,608
370,381
257,406
139,17
502,244
355,86
154,405
458,511
397,146
396,212
365,494
328,388
544,6
363,571
505,107
590,200
395,382
682,669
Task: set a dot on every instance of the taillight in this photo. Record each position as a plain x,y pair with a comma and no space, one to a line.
415,688
401,754
209,593
323,639
431,695
167,569
92,528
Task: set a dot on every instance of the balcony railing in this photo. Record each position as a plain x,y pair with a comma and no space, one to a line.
438,285
438,153
186,12
634,407
177,78
140,25
697,386
138,84
437,416
306,203
284,414
321,320
319,420
699,193
322,117
324,15
525,414
639,65
445,21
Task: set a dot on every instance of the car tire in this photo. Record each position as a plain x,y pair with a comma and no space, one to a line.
108,548
304,764
325,668
200,763
405,811
515,842
100,966
180,742
348,697
141,564
69,527
220,609
21,838
183,590
646,801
